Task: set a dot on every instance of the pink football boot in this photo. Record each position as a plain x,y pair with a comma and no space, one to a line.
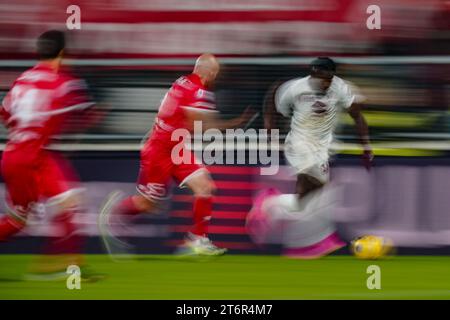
318,250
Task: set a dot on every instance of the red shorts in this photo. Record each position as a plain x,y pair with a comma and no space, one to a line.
27,182
157,169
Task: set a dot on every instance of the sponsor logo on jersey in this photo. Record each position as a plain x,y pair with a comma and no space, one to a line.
319,107
154,190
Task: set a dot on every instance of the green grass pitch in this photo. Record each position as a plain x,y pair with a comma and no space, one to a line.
238,277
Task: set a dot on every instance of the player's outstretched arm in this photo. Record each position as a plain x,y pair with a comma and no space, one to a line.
363,133
269,107
84,119
210,120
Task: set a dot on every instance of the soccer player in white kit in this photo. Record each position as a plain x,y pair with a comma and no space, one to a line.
313,104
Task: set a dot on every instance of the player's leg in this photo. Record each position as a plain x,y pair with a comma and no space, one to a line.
152,186
199,181
126,208
12,222
302,225
152,189
203,188
59,185
64,247
313,177
259,221
310,165
311,232
306,184
302,221
119,211
22,193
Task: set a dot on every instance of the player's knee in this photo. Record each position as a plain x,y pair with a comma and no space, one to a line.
68,201
143,204
306,184
211,187
302,184
73,204
206,189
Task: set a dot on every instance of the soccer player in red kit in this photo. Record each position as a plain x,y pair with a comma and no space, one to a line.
35,109
188,100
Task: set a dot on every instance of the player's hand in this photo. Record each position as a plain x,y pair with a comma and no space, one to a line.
367,157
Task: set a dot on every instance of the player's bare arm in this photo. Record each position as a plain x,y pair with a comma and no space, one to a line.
363,133
87,118
270,111
211,120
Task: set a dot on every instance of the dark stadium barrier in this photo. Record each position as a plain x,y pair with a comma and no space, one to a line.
404,199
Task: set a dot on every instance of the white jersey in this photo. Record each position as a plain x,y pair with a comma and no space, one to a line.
314,114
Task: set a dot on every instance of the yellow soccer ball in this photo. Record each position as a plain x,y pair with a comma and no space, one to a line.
371,247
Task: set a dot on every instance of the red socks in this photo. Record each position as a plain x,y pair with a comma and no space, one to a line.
68,241
202,215
9,226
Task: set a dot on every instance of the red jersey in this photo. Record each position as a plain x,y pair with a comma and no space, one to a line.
186,93
158,166
37,105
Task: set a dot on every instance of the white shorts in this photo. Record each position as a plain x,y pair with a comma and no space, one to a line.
308,159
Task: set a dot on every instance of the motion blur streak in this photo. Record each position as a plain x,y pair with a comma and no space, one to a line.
130,52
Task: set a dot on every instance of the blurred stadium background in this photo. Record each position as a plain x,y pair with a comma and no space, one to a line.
131,51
